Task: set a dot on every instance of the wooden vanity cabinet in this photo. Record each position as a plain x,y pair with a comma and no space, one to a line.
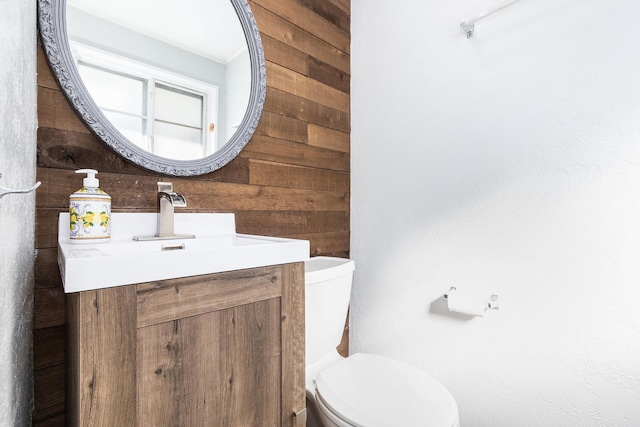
224,349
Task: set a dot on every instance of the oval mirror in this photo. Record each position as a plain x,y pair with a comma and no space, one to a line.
175,87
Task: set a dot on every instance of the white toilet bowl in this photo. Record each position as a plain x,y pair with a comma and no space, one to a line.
363,389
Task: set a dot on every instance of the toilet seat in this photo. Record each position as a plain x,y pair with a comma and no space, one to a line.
376,391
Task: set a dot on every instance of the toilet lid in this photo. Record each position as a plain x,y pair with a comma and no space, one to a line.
371,390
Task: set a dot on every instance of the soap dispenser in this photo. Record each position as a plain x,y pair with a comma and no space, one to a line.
90,211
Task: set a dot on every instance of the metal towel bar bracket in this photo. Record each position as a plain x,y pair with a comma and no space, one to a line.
468,25
4,191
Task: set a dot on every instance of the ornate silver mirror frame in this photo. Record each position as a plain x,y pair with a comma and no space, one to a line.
53,32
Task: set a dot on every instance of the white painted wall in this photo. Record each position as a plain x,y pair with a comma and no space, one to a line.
510,164
17,211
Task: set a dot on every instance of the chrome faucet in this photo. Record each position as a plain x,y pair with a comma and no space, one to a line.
167,201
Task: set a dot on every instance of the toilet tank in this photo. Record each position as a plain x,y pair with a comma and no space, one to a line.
327,293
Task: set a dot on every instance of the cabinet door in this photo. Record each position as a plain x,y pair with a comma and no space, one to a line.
221,368
101,358
224,349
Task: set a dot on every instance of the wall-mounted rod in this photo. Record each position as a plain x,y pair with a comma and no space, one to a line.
468,25
4,191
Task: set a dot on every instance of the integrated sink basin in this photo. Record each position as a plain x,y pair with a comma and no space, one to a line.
122,261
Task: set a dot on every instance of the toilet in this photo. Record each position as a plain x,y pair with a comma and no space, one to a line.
364,390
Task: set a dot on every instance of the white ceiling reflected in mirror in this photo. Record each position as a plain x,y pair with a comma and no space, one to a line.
176,87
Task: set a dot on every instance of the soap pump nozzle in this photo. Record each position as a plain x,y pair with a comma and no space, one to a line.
90,181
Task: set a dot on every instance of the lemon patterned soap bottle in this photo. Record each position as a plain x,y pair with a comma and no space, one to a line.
90,211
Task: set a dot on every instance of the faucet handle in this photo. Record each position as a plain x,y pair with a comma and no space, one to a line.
165,187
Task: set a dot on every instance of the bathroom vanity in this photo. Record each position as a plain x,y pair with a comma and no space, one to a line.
222,348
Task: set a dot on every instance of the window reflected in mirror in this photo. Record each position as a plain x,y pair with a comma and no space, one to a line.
165,114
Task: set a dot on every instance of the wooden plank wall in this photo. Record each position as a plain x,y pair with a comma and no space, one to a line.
291,180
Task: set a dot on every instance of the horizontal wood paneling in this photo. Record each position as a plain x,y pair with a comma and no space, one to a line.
344,5
47,238
48,307
280,29
201,195
47,273
327,243
325,137
48,347
289,224
282,127
54,112
289,81
49,392
287,152
303,16
45,78
291,180
329,76
283,54
274,174
286,104
332,10
52,421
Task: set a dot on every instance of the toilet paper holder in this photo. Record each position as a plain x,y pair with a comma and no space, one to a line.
490,303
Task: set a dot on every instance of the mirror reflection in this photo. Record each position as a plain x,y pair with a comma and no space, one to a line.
174,78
